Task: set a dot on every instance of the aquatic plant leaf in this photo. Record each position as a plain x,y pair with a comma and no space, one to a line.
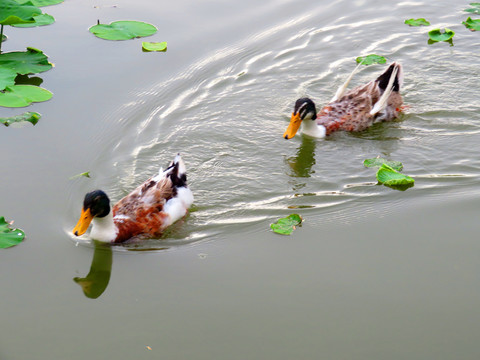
286,225
390,177
84,174
371,59
12,12
40,20
377,162
27,80
123,30
40,3
31,61
417,22
471,24
9,237
475,9
154,46
436,35
23,95
31,117
7,77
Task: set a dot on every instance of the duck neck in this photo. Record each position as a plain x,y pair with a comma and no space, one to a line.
104,229
311,128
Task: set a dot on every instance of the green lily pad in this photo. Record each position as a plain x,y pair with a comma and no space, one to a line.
475,9
40,3
7,77
471,24
285,226
40,20
378,162
436,35
123,30
154,46
31,61
390,177
417,22
27,80
12,12
23,95
371,59
9,237
31,117
84,174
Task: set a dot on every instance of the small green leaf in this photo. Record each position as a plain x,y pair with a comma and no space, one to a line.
286,225
436,35
475,9
417,22
40,3
471,24
378,162
371,59
7,77
154,46
31,117
31,61
23,95
40,20
12,12
84,174
390,177
9,237
123,30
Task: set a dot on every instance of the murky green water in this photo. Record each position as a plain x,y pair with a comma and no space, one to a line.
373,273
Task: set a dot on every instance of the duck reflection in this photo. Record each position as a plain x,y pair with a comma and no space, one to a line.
95,283
301,164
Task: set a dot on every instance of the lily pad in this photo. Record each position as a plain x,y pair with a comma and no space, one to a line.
12,12
475,8
9,237
7,77
23,95
417,22
437,35
371,59
378,162
40,3
31,117
25,62
285,226
154,46
40,20
27,80
123,30
390,177
471,24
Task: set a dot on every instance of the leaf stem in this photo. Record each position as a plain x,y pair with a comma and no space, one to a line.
1,38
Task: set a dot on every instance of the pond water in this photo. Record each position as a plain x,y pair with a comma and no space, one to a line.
373,273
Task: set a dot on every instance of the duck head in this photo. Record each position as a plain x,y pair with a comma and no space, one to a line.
304,110
96,204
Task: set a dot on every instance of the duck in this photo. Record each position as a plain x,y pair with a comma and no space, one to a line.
145,213
354,110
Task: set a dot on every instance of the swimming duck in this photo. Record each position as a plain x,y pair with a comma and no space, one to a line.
146,211
355,110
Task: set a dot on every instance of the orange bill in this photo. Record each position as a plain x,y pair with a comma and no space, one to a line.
83,223
292,129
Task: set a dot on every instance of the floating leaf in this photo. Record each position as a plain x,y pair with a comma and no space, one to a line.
154,46
123,30
471,24
9,237
31,117
7,77
475,9
377,162
84,174
390,177
417,22
436,35
23,95
371,59
40,3
286,225
27,80
31,61
12,12
40,20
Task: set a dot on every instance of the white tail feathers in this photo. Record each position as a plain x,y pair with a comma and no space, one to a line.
381,104
341,89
